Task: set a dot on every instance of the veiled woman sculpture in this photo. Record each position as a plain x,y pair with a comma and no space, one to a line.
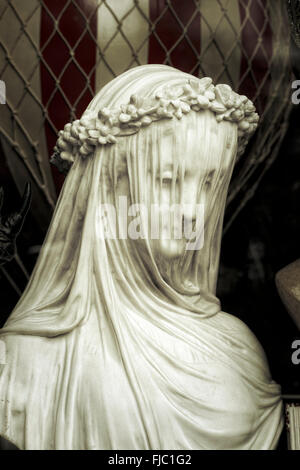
120,342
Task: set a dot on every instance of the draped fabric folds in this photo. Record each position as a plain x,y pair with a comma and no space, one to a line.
103,351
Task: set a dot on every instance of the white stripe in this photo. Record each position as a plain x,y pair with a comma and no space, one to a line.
211,60
117,53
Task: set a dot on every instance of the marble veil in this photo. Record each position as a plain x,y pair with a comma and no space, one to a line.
103,350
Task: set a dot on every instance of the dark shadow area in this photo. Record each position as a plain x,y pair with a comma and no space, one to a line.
263,239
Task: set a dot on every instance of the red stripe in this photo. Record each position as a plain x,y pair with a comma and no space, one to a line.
57,54
185,55
261,57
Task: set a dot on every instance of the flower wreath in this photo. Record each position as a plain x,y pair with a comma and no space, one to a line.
105,126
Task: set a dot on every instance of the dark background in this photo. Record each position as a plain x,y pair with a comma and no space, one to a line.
264,238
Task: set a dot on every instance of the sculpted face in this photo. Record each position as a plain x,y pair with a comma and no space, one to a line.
186,164
193,166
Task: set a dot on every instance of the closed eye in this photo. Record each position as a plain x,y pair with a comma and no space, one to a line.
167,178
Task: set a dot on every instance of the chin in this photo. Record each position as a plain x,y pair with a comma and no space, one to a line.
170,249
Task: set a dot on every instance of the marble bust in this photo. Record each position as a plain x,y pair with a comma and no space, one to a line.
119,341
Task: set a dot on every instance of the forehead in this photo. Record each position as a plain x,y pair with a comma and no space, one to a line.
198,143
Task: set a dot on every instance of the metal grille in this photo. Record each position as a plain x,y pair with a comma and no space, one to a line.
141,31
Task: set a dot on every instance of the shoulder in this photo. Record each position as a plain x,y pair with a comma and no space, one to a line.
240,331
